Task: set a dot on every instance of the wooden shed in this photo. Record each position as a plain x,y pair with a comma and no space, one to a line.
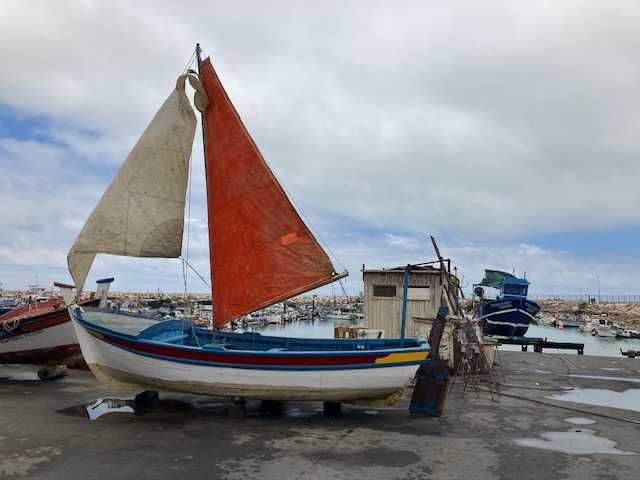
383,294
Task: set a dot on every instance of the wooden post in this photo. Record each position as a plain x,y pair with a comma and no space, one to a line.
405,290
444,278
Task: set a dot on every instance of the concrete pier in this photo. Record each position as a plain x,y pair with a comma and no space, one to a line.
45,434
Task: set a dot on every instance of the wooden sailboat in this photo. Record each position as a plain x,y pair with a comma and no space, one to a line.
261,253
41,333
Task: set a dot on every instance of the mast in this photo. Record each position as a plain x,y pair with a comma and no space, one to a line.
199,60
204,151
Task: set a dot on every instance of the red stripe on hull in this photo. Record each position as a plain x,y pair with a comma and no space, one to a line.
69,355
45,320
242,359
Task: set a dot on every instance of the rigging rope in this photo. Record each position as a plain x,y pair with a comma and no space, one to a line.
309,225
196,272
185,261
189,62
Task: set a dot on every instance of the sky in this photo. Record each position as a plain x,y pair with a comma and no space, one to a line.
508,130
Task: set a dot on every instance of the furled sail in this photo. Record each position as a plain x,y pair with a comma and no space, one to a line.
261,250
141,214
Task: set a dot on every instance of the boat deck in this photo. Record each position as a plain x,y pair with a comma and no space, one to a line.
182,332
123,322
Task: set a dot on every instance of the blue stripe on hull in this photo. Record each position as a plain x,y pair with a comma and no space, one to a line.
225,358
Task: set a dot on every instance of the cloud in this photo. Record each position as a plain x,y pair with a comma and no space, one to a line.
490,124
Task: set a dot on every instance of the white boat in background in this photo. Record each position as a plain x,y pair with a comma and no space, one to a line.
604,328
342,313
587,325
627,333
261,254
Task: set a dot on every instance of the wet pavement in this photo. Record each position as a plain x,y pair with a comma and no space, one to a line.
543,425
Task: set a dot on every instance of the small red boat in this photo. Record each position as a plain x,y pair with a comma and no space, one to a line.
41,333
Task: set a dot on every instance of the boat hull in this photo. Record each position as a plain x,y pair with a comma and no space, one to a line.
124,363
45,339
48,345
605,332
506,318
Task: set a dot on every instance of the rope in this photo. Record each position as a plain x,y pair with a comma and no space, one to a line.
12,324
567,364
312,229
189,62
185,261
343,289
196,272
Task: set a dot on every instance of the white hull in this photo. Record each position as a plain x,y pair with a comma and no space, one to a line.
44,339
605,332
124,369
333,316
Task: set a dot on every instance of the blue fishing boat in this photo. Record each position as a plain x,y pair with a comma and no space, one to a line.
509,314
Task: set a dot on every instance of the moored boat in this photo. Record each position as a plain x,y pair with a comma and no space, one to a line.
627,333
41,333
568,321
261,254
510,313
604,328
7,304
345,314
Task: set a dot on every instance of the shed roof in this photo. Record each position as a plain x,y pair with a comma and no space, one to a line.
424,269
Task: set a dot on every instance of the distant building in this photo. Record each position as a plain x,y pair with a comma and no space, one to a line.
383,289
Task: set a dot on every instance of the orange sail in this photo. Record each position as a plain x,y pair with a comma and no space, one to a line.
261,251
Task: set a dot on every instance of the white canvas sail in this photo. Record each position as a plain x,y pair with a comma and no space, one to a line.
141,214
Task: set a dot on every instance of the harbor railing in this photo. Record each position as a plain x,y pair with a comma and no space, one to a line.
586,297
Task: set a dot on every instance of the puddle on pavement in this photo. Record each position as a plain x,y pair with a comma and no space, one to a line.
601,377
625,400
299,413
579,421
574,442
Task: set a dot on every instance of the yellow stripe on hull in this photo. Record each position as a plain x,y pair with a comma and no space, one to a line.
403,357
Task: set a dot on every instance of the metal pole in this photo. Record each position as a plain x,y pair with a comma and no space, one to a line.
405,289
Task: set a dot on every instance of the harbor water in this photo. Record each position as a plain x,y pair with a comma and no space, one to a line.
598,346
320,328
